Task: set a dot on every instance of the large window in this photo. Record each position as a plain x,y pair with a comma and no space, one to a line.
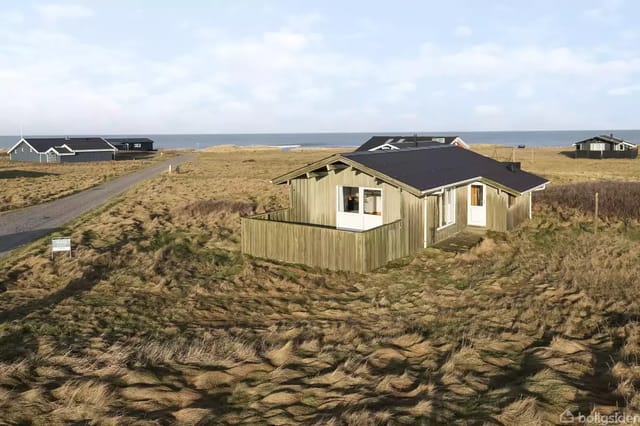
372,201
350,199
360,200
447,207
597,146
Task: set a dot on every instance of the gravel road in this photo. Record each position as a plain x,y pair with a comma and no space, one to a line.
18,227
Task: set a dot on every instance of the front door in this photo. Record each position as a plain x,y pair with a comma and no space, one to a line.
477,205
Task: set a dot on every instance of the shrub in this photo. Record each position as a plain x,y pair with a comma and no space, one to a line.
617,200
205,207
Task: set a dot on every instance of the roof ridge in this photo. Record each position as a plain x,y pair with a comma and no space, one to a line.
392,151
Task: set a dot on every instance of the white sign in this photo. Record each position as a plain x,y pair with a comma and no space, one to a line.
60,244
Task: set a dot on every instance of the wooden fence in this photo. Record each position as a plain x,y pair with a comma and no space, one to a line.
269,236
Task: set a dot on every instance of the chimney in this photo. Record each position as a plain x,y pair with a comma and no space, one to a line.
513,166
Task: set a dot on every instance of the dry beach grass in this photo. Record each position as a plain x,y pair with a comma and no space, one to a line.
26,184
159,319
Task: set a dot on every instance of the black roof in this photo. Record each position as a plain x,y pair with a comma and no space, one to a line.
63,150
87,144
411,141
606,138
129,140
433,167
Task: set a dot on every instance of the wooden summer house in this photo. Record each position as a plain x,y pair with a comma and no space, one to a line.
357,211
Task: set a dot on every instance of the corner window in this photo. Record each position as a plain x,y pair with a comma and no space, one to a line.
447,207
354,199
373,201
350,199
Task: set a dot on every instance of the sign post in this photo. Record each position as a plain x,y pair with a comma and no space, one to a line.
60,244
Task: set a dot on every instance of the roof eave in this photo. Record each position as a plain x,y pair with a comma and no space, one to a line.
339,158
18,144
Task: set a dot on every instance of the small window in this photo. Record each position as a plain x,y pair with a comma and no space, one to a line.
350,199
512,200
477,195
137,145
373,201
447,207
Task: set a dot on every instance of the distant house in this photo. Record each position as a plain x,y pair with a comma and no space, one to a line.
131,144
357,211
604,146
62,150
415,141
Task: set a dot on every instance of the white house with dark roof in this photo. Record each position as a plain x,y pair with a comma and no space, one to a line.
62,150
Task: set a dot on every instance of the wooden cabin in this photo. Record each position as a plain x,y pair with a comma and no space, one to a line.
357,211
605,146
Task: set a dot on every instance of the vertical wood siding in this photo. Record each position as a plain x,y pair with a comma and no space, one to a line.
519,211
496,209
461,216
323,247
314,199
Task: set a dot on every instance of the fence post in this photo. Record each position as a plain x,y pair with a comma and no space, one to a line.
596,215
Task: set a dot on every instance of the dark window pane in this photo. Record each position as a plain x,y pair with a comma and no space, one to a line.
350,201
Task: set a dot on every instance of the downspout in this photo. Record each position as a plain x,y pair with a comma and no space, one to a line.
424,207
530,198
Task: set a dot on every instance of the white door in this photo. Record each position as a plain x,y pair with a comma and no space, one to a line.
477,205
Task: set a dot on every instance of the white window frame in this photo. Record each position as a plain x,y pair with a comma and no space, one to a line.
365,220
446,208
597,146
361,195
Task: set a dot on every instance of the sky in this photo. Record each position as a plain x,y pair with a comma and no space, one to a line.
241,66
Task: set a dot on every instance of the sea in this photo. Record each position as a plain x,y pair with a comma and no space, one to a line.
556,138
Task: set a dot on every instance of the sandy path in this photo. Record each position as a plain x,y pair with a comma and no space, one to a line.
18,227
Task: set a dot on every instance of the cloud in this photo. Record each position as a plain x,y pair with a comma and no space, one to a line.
59,11
283,78
525,91
469,86
625,90
463,31
488,109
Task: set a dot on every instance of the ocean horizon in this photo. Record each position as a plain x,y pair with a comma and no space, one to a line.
539,138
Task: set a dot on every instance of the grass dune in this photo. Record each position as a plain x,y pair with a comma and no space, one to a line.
26,184
158,318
